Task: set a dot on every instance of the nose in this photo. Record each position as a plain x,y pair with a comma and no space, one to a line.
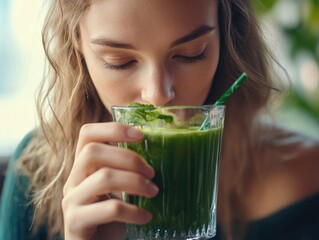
158,87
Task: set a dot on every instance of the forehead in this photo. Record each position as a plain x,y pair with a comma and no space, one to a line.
148,18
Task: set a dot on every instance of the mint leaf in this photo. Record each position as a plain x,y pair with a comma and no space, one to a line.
143,113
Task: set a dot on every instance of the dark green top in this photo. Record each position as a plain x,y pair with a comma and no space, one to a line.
15,211
299,221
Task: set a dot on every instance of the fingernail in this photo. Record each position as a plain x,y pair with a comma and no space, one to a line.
147,216
148,171
134,133
151,187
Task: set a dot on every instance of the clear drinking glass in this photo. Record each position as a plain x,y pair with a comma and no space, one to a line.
184,153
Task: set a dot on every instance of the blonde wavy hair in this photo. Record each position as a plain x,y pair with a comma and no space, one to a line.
67,99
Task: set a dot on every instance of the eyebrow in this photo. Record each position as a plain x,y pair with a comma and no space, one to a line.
110,43
197,33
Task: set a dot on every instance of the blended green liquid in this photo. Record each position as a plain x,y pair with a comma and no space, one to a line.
186,166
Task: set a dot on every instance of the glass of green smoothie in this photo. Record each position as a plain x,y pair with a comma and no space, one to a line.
185,157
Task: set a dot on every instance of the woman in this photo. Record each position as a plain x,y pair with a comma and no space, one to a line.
105,53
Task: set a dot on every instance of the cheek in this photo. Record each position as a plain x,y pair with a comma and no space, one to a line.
192,89
197,82
111,88
112,93
213,56
208,72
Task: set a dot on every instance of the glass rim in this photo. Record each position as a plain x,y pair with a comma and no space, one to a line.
206,106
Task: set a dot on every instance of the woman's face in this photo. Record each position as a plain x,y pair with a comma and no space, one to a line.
159,52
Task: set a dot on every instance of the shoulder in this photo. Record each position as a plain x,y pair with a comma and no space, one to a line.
14,178
15,182
291,174
23,144
15,211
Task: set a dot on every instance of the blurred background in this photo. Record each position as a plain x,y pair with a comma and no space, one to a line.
291,26
21,67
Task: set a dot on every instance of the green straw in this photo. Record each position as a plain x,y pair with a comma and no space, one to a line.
240,80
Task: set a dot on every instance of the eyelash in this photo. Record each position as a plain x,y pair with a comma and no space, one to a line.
184,59
121,66
193,59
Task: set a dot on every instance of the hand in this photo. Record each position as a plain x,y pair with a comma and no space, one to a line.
92,208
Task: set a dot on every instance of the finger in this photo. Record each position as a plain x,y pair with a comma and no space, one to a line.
98,155
114,230
107,180
106,212
107,132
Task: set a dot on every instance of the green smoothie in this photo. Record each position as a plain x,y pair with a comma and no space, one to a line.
186,166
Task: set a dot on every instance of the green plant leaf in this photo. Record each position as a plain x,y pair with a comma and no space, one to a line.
143,113
262,7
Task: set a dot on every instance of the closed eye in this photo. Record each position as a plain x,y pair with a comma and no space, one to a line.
185,59
120,66
191,59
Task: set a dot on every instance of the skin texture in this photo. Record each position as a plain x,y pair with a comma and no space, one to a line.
157,71
289,180
163,58
152,62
